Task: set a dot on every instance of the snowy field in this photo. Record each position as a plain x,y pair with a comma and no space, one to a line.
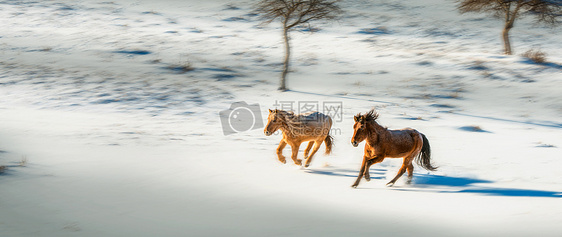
109,121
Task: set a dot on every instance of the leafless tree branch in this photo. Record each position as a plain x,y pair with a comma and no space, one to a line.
546,12
293,13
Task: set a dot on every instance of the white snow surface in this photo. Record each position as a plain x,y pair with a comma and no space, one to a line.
102,133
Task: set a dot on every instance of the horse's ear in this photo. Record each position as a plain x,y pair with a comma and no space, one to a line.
356,118
276,111
270,111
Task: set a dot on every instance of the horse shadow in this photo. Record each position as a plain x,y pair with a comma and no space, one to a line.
468,185
341,172
443,184
441,180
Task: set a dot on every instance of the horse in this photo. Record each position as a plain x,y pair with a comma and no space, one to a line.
385,143
313,127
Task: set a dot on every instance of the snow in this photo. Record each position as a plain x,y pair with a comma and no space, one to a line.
102,133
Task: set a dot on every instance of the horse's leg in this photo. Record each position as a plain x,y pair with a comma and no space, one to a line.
308,149
373,161
295,149
316,147
400,173
367,166
361,172
410,168
411,157
280,148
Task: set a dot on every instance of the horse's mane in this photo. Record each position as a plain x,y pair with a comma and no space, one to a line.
370,116
293,122
291,119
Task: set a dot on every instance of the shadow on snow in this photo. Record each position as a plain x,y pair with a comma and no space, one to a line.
467,185
346,172
423,181
548,124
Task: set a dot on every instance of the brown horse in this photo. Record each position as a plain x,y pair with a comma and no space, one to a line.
382,143
313,127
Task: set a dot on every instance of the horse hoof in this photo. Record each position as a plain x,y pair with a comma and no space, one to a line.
368,179
354,186
390,184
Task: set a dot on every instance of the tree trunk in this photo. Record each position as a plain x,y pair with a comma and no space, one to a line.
506,43
509,22
283,86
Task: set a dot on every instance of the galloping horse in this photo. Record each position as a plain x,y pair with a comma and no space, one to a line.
382,143
313,127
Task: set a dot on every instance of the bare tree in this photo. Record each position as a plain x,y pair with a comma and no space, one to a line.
293,13
545,11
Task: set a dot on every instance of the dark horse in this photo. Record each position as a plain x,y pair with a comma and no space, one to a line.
384,143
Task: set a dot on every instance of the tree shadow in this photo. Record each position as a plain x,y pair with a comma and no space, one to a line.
548,124
342,97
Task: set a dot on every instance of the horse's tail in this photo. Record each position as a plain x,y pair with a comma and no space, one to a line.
423,159
329,140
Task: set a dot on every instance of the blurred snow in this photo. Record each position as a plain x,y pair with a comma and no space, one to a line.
109,121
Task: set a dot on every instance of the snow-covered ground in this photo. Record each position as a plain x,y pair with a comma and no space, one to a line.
109,121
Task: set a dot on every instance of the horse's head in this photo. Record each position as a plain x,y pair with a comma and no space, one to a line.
360,131
274,121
